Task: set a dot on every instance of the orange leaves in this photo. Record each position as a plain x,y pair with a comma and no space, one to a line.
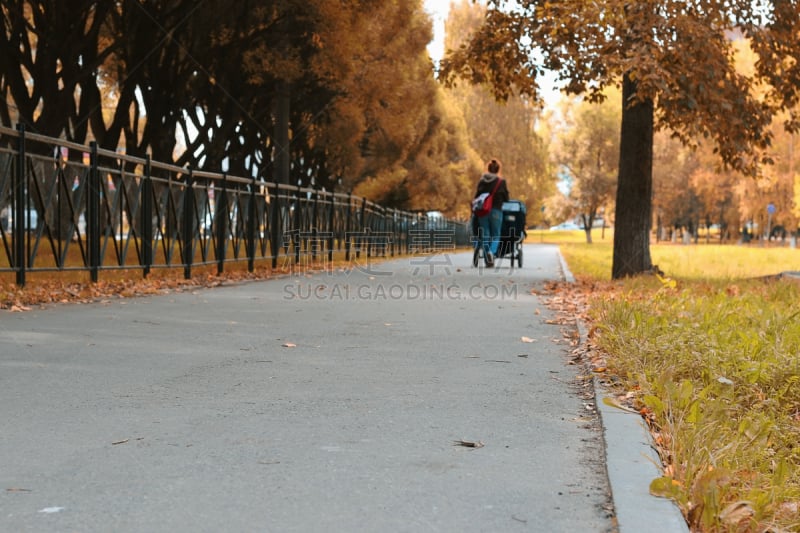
733,290
569,300
54,291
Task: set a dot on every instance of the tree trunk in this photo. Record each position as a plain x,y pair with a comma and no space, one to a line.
281,157
588,224
634,188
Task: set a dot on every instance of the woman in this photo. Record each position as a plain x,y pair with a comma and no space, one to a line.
489,225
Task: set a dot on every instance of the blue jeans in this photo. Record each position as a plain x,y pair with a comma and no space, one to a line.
489,231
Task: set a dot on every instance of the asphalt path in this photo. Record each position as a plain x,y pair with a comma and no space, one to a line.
411,395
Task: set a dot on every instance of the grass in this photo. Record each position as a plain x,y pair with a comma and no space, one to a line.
571,236
711,357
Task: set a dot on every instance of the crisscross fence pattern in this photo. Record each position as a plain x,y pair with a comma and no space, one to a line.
65,206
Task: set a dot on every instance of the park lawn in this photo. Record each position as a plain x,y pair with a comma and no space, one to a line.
546,236
709,354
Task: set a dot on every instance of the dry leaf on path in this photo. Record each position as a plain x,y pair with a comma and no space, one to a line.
289,345
468,443
614,403
528,339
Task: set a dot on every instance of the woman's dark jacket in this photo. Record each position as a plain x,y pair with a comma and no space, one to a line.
487,183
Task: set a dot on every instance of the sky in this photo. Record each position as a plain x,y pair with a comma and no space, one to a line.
438,10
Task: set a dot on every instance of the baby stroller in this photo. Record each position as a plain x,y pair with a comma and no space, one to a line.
512,234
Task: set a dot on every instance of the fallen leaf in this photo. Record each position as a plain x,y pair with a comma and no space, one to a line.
16,489
468,443
120,442
665,487
736,512
528,339
289,345
614,403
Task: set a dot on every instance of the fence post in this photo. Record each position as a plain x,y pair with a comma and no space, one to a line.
187,233
251,228
395,236
363,230
93,212
331,229
275,223
147,217
19,209
296,230
347,229
315,226
408,224
221,224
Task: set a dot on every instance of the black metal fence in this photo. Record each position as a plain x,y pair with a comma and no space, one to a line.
65,206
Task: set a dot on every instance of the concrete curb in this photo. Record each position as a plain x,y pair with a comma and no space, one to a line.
631,462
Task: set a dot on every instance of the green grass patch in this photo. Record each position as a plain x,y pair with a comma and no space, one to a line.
545,236
713,361
711,262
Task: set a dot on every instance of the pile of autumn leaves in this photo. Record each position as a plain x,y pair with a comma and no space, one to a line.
48,291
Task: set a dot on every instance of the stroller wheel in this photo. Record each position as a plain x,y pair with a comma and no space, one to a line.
476,256
519,257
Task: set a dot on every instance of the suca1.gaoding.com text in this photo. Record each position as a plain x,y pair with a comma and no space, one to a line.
398,291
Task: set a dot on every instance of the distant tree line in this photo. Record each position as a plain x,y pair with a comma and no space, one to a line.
675,64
